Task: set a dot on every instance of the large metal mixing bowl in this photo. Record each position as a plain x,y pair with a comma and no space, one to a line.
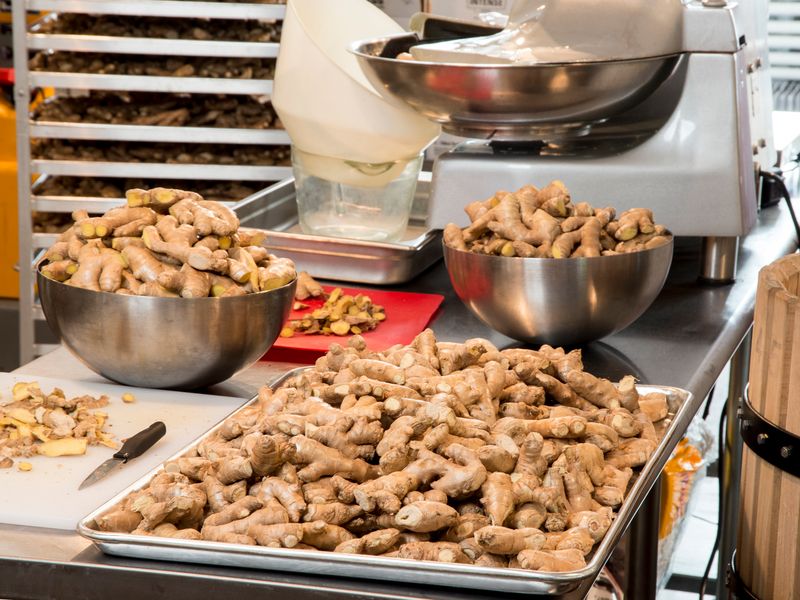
510,102
169,343
558,301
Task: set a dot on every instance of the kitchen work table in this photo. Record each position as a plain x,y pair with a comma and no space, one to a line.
685,339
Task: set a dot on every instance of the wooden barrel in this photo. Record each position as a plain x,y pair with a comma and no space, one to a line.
768,547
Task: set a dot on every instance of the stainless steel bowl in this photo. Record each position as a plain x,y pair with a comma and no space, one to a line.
560,302
512,102
169,343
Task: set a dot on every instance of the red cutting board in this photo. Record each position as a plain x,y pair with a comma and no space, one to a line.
407,314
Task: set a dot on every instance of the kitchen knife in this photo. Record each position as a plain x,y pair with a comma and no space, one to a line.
133,447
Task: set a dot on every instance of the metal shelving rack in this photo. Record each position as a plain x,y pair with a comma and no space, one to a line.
784,53
27,39
784,39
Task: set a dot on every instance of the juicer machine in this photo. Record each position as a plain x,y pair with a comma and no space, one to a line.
677,119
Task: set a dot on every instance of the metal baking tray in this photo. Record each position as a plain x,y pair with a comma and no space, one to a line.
156,133
67,204
140,45
94,204
378,263
571,585
43,240
91,168
86,42
148,83
163,8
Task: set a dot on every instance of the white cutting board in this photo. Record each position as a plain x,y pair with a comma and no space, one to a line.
48,495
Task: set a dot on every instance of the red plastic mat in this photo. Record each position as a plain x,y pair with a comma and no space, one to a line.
406,315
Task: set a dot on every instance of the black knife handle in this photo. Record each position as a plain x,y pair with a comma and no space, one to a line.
139,443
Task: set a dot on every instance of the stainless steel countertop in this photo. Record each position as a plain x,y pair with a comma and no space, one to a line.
684,339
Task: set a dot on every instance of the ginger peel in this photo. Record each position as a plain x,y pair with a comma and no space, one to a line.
341,314
38,423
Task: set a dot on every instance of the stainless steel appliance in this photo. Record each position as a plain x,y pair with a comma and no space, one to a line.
682,125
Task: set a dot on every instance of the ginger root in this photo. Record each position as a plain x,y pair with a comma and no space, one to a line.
167,243
433,551
442,451
544,223
307,287
500,540
551,560
376,542
424,517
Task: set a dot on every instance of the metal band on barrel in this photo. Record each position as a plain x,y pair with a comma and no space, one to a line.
735,583
771,443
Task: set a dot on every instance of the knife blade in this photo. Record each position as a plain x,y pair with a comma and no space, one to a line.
134,446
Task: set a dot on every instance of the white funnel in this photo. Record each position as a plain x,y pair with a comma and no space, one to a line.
324,100
569,31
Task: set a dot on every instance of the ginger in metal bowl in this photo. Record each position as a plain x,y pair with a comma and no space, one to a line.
544,223
167,243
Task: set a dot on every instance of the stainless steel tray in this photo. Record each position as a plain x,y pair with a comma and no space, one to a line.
148,83
43,240
39,40
160,46
67,204
156,133
91,168
163,8
274,209
572,585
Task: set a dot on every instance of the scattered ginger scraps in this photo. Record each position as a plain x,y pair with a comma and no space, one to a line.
341,314
35,423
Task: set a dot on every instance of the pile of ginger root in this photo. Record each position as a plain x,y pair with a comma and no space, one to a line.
167,243
437,451
544,223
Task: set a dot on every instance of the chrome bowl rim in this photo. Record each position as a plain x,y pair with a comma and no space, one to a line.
356,48
159,298
560,260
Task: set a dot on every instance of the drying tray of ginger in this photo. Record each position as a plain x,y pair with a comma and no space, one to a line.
436,463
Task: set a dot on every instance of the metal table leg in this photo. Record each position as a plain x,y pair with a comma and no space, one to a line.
731,462
640,561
